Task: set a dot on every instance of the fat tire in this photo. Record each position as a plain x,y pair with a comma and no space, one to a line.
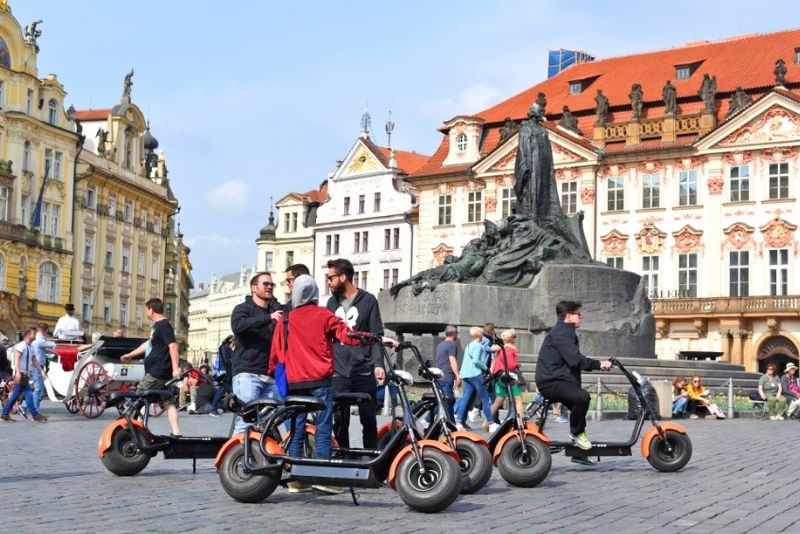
434,496
475,462
120,458
242,487
519,471
665,461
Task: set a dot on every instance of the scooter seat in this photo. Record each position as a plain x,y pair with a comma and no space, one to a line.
347,397
431,396
252,408
119,396
310,403
156,395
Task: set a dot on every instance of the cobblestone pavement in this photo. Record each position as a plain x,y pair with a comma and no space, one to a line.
737,481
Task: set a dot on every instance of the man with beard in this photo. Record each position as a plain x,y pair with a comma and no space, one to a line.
355,367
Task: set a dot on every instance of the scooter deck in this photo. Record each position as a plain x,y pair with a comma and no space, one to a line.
598,449
356,477
194,447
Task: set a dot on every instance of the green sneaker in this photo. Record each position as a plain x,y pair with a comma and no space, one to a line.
581,441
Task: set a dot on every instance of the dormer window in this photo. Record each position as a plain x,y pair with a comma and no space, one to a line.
461,142
685,71
575,88
797,56
51,111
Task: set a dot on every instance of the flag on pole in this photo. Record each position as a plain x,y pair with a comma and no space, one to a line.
36,219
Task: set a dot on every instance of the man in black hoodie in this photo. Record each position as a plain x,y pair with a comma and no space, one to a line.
558,370
253,322
355,367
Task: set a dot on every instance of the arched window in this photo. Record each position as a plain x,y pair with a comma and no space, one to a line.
51,111
5,55
48,282
461,142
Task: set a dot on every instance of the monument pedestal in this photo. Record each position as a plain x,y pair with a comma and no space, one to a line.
616,313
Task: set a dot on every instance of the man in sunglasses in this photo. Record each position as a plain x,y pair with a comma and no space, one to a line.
253,323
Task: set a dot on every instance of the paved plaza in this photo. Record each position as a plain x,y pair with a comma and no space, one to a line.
739,480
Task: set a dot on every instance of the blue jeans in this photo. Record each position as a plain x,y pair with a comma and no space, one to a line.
324,424
474,383
679,406
248,387
447,391
12,399
37,380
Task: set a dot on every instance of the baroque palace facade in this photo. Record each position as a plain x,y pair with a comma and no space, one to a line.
685,165
104,238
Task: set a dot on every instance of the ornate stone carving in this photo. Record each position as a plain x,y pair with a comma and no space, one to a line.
649,167
562,155
587,195
689,163
650,239
614,170
491,204
700,326
778,233
662,328
614,243
774,324
779,154
738,235
715,185
687,239
506,162
775,124
740,157
566,174
440,253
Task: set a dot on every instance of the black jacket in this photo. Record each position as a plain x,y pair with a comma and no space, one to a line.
363,316
560,358
253,327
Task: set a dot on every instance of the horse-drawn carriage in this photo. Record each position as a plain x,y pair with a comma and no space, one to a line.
82,375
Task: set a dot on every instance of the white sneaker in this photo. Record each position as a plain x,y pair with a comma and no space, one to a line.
459,425
473,415
493,428
191,408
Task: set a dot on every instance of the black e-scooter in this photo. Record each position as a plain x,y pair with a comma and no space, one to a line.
473,453
127,444
665,445
425,473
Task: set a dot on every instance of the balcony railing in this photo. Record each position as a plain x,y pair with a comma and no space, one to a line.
15,232
780,304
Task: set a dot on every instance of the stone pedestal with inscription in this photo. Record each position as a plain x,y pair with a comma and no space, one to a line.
617,319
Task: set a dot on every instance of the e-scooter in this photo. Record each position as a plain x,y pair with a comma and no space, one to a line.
665,445
425,473
127,444
473,453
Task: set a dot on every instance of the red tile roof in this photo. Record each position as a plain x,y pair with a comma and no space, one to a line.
408,162
92,114
747,61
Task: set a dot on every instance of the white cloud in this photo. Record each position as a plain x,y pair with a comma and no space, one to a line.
230,196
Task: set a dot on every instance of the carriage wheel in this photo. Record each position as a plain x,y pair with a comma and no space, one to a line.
72,405
91,405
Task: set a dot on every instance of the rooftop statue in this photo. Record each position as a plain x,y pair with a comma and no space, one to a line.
601,110
708,90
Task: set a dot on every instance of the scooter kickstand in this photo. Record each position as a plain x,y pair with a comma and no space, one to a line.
354,496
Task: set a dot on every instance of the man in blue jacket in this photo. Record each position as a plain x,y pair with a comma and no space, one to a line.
558,369
356,368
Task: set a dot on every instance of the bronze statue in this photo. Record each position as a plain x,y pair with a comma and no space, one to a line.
535,184
508,129
601,110
568,120
636,97
780,72
670,95
708,90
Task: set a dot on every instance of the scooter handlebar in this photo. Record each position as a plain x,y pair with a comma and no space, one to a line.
366,337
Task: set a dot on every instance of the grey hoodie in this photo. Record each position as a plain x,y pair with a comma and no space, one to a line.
304,291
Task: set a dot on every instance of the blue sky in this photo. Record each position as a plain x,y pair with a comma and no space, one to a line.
252,99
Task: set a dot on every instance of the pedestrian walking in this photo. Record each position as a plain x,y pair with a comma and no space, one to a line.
25,360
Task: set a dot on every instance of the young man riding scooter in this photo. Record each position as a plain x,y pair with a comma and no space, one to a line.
558,371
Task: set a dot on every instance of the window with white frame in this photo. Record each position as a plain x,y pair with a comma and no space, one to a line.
740,183
24,211
268,259
287,222
128,149
51,219
376,205
107,311
88,249
575,88
615,262
364,241
779,271
461,142
140,264
387,239
362,202
739,273
687,188
650,275
474,206
29,103
139,316
386,278
328,244
289,259
616,193
57,166
143,217
26,156
123,314
109,263
126,260
336,243
508,201
396,238
687,275
86,308
357,242
683,72
112,205
48,282
23,275
395,276
778,180
128,211
445,210
5,193
155,269
569,197
91,197
157,224
52,107
346,206
48,163
651,190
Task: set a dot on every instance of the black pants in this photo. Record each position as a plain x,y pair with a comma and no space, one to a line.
573,397
366,410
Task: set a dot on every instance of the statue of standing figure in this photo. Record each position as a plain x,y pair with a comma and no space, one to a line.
738,100
126,90
780,72
636,96
601,110
535,184
32,33
670,95
541,101
708,90
568,120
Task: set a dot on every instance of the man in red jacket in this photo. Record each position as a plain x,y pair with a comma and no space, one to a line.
308,357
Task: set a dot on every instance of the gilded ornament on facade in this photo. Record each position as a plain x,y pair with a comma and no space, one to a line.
650,238
778,233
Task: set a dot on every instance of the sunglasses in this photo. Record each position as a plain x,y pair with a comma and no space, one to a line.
269,284
287,281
